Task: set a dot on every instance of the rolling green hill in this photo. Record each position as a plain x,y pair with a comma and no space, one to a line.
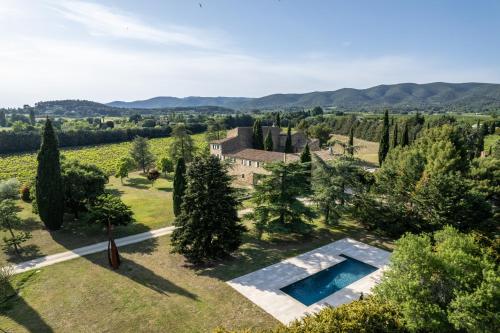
403,95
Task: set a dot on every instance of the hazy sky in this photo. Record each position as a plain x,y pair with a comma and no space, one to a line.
137,49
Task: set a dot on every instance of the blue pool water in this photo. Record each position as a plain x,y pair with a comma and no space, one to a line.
324,283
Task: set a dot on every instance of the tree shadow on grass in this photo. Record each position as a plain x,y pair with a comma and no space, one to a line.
138,183
165,188
138,273
14,307
28,252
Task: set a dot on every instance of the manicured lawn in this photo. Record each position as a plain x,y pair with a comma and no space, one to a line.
490,140
152,207
368,150
154,290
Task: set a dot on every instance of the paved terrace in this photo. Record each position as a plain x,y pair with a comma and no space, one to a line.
263,286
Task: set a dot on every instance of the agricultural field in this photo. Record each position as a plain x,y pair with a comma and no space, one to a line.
368,150
23,166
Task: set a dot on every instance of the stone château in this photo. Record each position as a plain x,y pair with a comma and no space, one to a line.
247,162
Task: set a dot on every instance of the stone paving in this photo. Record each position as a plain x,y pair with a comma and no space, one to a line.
263,286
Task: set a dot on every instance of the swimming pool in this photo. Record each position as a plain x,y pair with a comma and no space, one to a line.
324,283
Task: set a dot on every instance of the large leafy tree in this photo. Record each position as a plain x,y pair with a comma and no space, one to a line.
123,167
257,135
83,183
278,207
110,211
320,132
427,185
179,185
10,223
182,144
141,153
443,282
49,186
208,226
335,185
384,139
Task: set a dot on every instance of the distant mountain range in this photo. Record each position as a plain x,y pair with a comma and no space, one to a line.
403,95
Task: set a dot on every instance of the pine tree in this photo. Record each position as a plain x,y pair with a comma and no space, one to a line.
384,140
288,142
182,144
32,117
278,209
3,119
268,144
405,140
305,157
257,135
49,187
350,143
395,136
278,120
208,226
141,154
179,185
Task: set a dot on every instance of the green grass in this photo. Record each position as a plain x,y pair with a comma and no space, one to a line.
152,208
368,150
490,140
154,290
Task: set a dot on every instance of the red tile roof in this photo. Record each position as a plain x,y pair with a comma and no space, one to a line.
262,155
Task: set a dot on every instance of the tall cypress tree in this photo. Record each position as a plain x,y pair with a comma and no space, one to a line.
405,140
3,119
383,148
179,185
395,136
32,117
288,142
268,144
49,187
208,226
258,136
305,157
278,120
350,143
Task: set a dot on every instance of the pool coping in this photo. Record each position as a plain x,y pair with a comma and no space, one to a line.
262,287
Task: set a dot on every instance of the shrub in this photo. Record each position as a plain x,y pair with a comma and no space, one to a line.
5,275
9,189
26,193
369,315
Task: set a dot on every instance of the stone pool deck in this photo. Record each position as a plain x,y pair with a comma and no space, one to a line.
263,286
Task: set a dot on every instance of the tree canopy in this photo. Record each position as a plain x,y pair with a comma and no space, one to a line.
208,226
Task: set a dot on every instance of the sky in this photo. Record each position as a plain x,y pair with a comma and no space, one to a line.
131,50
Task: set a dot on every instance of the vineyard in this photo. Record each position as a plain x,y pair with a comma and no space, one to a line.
23,166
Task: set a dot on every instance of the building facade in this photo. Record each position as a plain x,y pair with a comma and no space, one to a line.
247,163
